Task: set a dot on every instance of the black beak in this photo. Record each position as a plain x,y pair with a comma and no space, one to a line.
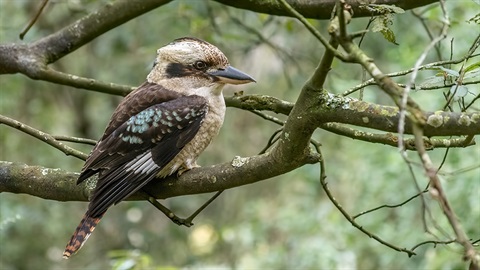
232,75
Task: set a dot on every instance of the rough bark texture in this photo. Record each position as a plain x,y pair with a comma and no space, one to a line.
320,9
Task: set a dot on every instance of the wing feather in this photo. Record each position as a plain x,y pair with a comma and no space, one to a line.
135,102
131,155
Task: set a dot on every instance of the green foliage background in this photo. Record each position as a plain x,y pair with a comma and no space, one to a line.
282,223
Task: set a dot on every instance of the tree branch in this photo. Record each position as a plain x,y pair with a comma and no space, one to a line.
329,108
392,140
57,184
32,58
336,203
53,76
320,9
438,193
45,137
81,32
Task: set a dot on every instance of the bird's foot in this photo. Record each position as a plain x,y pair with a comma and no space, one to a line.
177,220
187,222
187,167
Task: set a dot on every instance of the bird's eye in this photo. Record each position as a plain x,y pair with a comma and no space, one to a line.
200,65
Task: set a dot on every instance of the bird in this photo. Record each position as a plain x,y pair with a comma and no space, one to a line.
158,129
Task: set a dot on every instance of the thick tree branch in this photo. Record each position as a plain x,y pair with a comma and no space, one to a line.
46,183
320,9
31,59
57,184
81,32
329,108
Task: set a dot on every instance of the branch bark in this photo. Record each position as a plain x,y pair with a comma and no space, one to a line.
329,108
31,59
320,9
81,32
59,185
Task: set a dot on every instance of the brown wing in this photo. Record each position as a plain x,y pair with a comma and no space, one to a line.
146,131
140,99
131,155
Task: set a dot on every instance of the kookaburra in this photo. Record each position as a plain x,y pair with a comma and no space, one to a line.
158,129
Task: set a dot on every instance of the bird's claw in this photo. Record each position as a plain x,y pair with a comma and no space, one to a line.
182,222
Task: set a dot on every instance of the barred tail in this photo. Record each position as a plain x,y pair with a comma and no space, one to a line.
81,234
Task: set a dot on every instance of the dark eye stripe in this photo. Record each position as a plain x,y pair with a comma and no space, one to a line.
178,70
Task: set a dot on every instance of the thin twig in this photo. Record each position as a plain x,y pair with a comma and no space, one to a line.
54,76
273,139
435,243
33,20
438,193
45,137
464,170
391,140
408,71
330,196
74,139
187,222
413,77
389,205
471,103
268,117
427,30
314,31
413,87
443,159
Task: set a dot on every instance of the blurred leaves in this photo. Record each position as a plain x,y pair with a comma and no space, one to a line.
458,91
450,72
472,67
131,260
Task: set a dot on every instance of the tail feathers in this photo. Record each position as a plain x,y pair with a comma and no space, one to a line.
81,234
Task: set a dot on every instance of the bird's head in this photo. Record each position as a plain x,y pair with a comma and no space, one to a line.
193,63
